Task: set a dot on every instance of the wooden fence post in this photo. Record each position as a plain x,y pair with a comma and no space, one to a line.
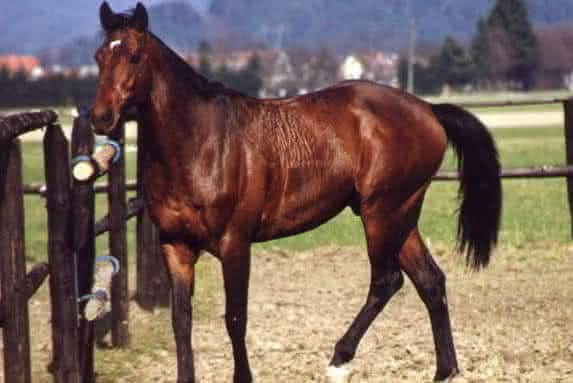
83,213
63,286
118,247
568,105
152,284
16,327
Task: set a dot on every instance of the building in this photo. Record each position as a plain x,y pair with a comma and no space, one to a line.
14,64
352,68
556,61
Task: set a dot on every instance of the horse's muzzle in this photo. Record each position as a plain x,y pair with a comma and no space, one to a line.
103,123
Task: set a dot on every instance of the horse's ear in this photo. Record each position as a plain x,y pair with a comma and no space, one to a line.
140,18
108,19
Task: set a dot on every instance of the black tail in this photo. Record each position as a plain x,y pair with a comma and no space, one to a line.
480,189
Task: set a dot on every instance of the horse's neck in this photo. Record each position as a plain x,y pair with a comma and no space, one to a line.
176,122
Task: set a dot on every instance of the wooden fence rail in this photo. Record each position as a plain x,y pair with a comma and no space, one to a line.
568,107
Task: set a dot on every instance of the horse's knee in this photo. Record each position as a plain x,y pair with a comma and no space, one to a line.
236,322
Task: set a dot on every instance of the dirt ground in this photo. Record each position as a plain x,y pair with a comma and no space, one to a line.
511,323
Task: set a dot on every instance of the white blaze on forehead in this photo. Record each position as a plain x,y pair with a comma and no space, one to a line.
114,43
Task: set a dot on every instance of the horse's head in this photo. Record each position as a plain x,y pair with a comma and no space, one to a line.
124,65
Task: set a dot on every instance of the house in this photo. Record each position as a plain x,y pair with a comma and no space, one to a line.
14,64
556,61
352,68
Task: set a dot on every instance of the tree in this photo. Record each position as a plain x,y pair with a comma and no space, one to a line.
427,81
324,69
204,62
247,80
453,64
511,17
480,51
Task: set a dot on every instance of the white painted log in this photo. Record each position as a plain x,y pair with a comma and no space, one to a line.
87,169
99,300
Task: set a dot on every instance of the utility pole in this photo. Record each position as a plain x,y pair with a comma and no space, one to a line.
412,49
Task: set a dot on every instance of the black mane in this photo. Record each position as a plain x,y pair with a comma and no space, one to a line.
186,71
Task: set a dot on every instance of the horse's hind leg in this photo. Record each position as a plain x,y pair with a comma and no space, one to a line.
430,282
384,240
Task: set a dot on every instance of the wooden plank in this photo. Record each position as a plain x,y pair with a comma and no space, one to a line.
40,189
83,215
134,207
17,124
506,103
16,330
63,286
568,105
152,287
538,172
118,247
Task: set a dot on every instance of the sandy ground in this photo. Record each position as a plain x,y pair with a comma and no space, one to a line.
522,119
511,323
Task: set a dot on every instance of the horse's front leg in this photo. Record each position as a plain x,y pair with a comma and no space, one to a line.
180,260
236,258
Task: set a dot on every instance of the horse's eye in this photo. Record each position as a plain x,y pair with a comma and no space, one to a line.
135,59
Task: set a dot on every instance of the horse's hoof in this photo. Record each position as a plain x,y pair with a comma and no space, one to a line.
338,374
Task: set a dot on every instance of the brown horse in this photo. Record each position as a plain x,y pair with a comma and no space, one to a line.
227,170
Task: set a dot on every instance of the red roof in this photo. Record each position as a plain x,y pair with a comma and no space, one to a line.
19,63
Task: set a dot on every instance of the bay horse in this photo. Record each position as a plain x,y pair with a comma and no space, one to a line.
227,170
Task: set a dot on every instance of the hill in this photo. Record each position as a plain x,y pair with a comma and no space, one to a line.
68,28
369,23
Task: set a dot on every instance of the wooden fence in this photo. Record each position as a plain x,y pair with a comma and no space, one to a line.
71,242
71,250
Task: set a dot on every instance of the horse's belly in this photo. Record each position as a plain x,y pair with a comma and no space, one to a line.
306,199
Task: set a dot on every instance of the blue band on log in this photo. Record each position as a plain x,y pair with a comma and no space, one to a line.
117,154
81,159
112,260
100,295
